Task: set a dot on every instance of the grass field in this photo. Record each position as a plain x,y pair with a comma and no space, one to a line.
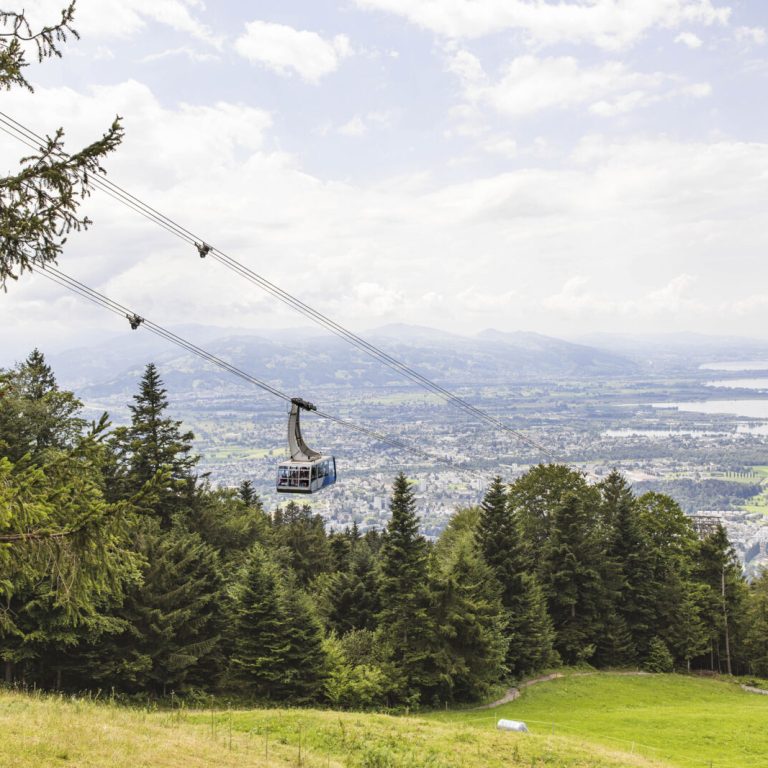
600,721
684,721
758,503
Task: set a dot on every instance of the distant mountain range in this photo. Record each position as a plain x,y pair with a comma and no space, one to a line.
301,359
676,351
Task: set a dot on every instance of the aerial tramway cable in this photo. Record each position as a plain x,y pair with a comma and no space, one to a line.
30,138
57,276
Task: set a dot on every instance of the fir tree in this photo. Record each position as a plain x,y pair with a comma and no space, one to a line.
572,580
528,632
277,639
224,522
719,569
353,594
247,494
405,623
39,205
35,414
154,452
471,622
628,581
678,596
756,640
174,620
301,543
64,552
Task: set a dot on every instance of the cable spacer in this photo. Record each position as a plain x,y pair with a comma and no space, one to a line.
135,321
203,249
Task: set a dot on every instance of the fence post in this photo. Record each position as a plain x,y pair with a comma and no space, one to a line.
299,743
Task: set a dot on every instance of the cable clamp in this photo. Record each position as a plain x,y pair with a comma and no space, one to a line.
135,321
203,249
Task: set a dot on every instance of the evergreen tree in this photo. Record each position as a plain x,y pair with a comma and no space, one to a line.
528,632
64,551
154,453
352,595
404,622
224,522
258,624
627,577
278,650
35,414
756,640
39,205
174,620
301,543
678,596
571,580
659,659
537,495
471,621
724,610
247,494
303,659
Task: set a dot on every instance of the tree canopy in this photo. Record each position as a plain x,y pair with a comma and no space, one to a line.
39,205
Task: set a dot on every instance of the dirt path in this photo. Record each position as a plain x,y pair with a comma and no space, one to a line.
514,693
749,689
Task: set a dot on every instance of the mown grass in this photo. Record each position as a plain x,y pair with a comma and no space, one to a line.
594,721
685,721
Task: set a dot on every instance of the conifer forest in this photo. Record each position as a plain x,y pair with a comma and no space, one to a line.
123,570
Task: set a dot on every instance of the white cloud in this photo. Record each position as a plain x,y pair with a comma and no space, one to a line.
502,146
104,19
190,53
359,125
698,90
531,84
354,127
755,35
624,221
284,49
626,102
689,39
575,299
609,24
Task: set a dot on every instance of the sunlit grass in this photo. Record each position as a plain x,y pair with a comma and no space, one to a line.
40,731
685,720
593,721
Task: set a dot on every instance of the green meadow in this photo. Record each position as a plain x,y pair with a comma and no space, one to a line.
579,721
685,721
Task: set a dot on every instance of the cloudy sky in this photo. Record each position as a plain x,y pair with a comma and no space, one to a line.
562,167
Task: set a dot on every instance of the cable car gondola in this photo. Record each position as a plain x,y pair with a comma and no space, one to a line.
307,471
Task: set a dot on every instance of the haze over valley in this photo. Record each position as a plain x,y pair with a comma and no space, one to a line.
675,413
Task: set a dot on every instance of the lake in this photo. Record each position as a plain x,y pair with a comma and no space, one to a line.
753,409
745,365
758,384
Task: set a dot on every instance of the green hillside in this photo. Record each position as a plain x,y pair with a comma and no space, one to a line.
684,720
600,721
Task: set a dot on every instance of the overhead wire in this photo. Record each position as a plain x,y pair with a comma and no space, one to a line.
57,276
25,134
